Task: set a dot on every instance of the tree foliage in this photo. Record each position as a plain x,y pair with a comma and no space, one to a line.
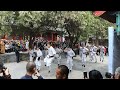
79,25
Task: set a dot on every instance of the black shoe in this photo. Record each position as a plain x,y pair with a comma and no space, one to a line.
70,70
45,65
84,65
48,71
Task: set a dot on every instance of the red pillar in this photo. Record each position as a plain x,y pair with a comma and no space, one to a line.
20,37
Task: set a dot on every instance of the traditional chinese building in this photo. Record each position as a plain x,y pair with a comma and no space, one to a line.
49,35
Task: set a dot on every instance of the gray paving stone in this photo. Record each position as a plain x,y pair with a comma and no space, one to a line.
18,70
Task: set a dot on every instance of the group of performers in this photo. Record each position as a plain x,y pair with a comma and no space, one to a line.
92,50
54,53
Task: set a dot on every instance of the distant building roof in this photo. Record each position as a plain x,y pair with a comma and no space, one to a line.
107,15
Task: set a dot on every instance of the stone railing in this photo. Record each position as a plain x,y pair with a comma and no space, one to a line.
11,57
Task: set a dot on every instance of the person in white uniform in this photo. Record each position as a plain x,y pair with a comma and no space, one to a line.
84,51
7,47
38,59
93,53
27,45
46,50
101,53
58,54
70,54
80,52
30,54
50,57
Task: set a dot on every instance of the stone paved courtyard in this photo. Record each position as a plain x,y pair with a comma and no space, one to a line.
18,69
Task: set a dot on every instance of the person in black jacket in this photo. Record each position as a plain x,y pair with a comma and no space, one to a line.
4,72
31,70
17,54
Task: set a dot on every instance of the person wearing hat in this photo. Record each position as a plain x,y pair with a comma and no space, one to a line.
4,72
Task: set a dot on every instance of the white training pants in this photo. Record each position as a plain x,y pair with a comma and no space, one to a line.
69,63
48,60
91,56
38,63
83,58
101,56
31,58
58,57
80,55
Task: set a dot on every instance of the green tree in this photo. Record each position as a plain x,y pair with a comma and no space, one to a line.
79,25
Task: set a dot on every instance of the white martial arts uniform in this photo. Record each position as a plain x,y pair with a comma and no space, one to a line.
94,50
38,62
27,45
84,51
80,52
46,51
91,54
70,54
101,53
58,55
30,55
49,58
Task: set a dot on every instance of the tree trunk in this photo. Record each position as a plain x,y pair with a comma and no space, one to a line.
76,40
97,41
87,40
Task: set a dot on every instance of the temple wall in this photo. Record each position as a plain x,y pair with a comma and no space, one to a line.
10,57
